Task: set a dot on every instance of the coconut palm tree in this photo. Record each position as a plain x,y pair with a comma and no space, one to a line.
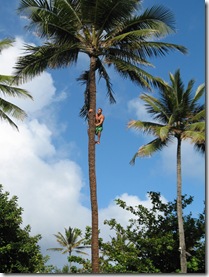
181,117
7,89
70,242
110,33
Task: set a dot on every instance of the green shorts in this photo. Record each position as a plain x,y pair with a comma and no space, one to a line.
98,129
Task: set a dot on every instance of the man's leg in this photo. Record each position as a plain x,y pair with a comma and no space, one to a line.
99,136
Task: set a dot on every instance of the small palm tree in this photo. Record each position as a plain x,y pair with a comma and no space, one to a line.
180,117
7,89
70,242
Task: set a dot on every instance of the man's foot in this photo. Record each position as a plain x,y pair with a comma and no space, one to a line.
97,142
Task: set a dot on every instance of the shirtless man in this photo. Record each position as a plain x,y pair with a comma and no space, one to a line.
99,119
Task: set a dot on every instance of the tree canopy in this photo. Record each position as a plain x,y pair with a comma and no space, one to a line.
19,252
149,243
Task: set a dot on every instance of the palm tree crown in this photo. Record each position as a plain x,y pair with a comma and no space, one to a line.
109,30
7,89
69,241
179,114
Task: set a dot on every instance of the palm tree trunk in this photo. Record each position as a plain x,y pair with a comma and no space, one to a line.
69,261
182,244
92,169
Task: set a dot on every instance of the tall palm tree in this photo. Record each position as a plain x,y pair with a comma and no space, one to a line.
110,33
181,117
70,242
7,89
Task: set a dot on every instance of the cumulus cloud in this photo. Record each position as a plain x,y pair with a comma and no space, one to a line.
122,216
192,161
48,190
137,107
47,185
41,87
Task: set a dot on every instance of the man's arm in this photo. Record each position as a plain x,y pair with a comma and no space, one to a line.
101,120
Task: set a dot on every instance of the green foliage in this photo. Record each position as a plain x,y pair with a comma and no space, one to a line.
70,241
178,115
7,88
19,252
118,33
149,244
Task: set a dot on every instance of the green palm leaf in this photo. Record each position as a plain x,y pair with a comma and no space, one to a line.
149,149
110,30
178,113
5,43
69,241
7,89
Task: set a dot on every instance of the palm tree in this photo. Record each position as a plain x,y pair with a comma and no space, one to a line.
70,242
7,89
110,33
181,117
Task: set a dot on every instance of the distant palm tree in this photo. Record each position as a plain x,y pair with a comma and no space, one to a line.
70,242
110,33
7,89
181,117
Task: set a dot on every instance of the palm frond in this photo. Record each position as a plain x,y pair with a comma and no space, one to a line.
155,129
5,43
159,17
133,36
106,15
134,73
196,126
150,148
7,88
11,110
55,249
54,20
157,49
84,80
195,136
127,53
39,58
200,147
199,93
156,108
6,118
61,239
164,132
103,74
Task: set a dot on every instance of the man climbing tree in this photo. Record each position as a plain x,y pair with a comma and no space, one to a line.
99,120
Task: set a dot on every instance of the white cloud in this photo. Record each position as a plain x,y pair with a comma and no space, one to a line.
122,216
192,161
48,188
41,87
137,107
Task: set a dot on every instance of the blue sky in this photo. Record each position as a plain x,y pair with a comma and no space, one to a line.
46,163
